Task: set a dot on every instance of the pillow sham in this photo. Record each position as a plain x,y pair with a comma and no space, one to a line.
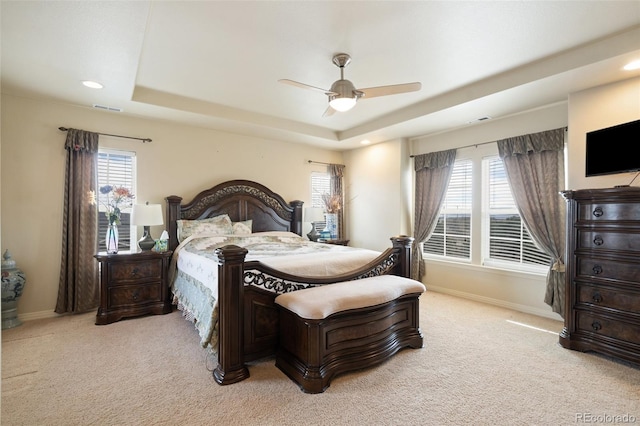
218,225
243,228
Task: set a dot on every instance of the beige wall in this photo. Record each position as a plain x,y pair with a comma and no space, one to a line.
377,193
181,160
594,109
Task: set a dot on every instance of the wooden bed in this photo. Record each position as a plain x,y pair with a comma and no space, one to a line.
247,316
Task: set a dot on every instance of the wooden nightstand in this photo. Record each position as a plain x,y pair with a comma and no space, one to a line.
133,284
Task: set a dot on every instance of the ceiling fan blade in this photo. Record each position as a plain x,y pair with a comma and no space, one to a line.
328,112
372,92
305,86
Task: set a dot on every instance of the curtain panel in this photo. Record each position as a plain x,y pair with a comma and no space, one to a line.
433,172
336,174
78,289
535,170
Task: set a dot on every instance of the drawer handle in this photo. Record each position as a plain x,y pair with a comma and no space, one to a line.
597,297
597,212
596,326
598,240
134,272
136,295
597,269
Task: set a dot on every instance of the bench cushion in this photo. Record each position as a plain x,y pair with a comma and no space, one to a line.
320,302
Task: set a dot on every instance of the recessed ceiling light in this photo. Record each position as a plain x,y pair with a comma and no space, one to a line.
365,142
92,84
633,65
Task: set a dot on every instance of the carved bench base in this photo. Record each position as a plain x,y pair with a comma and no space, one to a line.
312,352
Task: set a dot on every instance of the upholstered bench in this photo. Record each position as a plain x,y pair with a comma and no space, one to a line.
346,326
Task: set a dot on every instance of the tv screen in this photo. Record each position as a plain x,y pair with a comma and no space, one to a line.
613,150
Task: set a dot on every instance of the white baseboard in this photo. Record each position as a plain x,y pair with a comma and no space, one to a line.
496,302
37,315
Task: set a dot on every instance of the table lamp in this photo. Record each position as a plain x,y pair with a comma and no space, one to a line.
146,215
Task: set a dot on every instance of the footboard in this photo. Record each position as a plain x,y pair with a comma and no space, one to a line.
248,318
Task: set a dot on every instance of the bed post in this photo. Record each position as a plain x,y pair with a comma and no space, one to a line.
296,218
171,219
402,244
231,367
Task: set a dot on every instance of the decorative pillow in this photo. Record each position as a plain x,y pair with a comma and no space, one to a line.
219,225
243,228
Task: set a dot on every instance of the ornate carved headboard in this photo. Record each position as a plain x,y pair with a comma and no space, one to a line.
241,200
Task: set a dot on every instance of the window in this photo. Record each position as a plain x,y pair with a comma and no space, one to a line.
508,239
320,184
116,168
479,223
452,235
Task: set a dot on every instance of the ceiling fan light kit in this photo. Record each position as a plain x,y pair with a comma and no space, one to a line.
342,104
343,95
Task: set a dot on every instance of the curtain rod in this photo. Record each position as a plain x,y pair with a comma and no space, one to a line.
320,162
477,144
461,147
64,129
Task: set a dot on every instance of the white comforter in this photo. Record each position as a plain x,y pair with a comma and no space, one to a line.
195,268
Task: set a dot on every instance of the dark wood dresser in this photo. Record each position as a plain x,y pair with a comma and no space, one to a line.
602,307
133,284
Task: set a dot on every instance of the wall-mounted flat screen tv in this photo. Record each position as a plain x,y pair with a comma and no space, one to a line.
613,150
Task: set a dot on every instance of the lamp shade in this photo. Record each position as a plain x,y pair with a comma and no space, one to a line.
313,214
146,215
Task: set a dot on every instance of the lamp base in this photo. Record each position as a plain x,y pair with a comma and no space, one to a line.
146,243
313,235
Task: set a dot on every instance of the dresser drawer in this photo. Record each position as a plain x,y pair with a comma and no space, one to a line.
134,295
627,301
123,272
607,269
608,211
596,240
590,323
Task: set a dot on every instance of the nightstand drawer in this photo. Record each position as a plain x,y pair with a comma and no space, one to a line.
134,295
123,272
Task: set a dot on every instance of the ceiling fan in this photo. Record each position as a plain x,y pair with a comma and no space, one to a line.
343,95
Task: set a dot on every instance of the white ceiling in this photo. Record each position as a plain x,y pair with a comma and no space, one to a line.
217,63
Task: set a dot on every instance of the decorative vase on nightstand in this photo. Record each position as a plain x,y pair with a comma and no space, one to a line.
112,239
12,285
332,224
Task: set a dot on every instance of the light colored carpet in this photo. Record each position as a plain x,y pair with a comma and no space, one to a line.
481,365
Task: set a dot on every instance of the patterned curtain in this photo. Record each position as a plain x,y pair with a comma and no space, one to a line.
433,172
336,173
535,171
78,290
